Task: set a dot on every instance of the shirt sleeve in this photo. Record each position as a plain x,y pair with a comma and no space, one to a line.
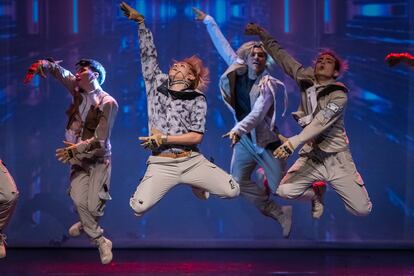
149,62
287,63
61,74
219,41
198,115
323,119
260,108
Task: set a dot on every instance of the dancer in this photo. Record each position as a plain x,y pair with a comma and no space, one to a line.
176,114
250,93
8,200
87,146
325,155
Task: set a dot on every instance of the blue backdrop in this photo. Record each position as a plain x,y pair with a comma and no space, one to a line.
380,116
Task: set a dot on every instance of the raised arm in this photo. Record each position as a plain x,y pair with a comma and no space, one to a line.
217,37
42,67
149,63
289,65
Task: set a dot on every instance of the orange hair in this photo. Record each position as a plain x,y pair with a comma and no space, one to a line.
200,72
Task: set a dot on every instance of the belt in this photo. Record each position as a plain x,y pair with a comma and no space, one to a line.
173,155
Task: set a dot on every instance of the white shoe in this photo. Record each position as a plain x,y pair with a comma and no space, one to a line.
76,229
200,193
2,246
105,249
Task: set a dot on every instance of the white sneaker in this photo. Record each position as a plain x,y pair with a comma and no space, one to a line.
200,193
76,229
2,245
105,249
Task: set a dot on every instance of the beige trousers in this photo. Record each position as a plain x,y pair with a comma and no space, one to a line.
164,173
8,196
89,190
336,168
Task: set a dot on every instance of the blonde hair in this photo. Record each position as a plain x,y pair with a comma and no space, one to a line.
245,50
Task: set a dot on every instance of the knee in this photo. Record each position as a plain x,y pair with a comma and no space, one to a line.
284,191
362,210
139,206
11,198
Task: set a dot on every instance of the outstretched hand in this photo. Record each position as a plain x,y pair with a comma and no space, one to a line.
199,15
131,13
66,153
152,142
285,150
233,136
35,68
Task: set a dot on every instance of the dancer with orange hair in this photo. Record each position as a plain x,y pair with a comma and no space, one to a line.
177,114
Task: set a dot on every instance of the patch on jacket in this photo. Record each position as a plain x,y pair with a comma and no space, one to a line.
335,108
330,111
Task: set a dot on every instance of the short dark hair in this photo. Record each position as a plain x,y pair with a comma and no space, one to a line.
94,66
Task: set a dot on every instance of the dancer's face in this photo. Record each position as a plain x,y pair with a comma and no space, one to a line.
256,61
325,67
181,71
84,76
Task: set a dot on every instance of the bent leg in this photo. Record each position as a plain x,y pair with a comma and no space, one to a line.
79,189
160,177
297,183
8,196
207,176
349,185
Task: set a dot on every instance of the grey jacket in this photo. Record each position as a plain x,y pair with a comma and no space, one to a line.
260,122
325,127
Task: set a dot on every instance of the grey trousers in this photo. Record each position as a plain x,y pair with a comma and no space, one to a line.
244,161
336,168
89,190
164,173
8,196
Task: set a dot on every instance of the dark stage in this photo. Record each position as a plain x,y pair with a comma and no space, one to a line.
209,262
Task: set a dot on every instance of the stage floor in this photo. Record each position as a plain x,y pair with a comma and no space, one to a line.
208,262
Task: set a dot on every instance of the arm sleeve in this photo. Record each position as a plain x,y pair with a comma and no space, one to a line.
198,115
149,62
323,119
287,63
260,109
219,41
61,74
